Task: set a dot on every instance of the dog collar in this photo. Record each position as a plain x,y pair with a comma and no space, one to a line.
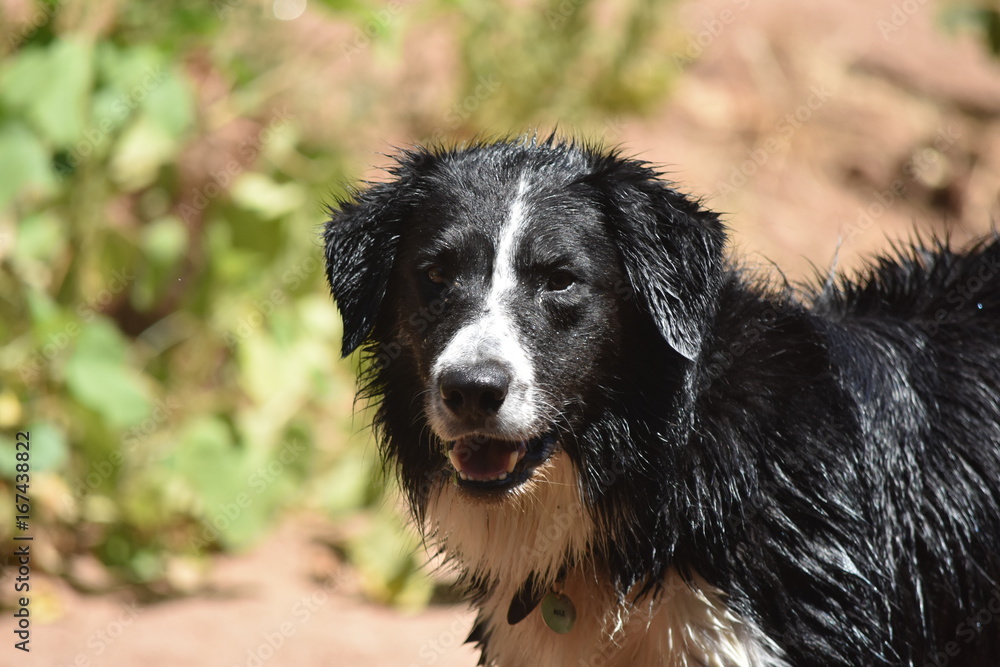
524,601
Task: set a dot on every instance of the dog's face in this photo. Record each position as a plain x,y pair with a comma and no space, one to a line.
499,289
508,295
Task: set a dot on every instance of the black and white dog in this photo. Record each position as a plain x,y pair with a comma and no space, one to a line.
638,455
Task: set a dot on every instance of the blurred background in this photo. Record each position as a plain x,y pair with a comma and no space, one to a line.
202,491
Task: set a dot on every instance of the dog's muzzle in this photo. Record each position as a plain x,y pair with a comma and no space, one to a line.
496,449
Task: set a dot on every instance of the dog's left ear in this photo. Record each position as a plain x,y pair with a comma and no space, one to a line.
671,248
360,240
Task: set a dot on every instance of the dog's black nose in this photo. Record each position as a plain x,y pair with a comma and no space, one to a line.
477,391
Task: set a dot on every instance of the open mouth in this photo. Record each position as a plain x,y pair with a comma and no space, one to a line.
483,462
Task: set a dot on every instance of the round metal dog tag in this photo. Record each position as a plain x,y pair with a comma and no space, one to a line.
558,613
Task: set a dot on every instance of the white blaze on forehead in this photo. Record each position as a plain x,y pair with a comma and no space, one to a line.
504,279
493,334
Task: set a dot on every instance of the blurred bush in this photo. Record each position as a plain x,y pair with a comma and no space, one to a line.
980,17
167,337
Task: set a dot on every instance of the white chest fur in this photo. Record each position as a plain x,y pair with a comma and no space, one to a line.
534,531
685,626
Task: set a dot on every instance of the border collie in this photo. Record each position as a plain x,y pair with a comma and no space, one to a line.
638,454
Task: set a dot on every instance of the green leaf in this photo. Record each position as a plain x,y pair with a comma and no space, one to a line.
256,192
49,449
206,447
349,485
169,103
266,372
137,80
25,167
127,75
50,86
98,376
387,558
239,487
165,240
143,148
43,308
40,237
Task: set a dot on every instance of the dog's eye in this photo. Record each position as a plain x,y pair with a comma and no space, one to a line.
560,280
437,274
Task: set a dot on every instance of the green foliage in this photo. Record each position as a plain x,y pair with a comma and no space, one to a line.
99,377
154,316
166,333
982,17
558,58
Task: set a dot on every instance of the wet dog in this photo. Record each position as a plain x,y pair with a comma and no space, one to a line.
637,454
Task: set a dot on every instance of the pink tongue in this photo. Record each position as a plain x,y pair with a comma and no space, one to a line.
484,458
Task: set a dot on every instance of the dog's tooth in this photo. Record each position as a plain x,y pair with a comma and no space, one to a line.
501,477
462,475
512,461
456,460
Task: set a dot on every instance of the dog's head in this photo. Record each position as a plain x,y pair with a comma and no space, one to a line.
507,294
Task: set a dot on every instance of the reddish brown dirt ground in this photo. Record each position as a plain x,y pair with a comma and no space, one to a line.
813,125
284,603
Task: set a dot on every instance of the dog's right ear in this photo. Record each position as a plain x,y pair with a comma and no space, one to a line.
360,245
